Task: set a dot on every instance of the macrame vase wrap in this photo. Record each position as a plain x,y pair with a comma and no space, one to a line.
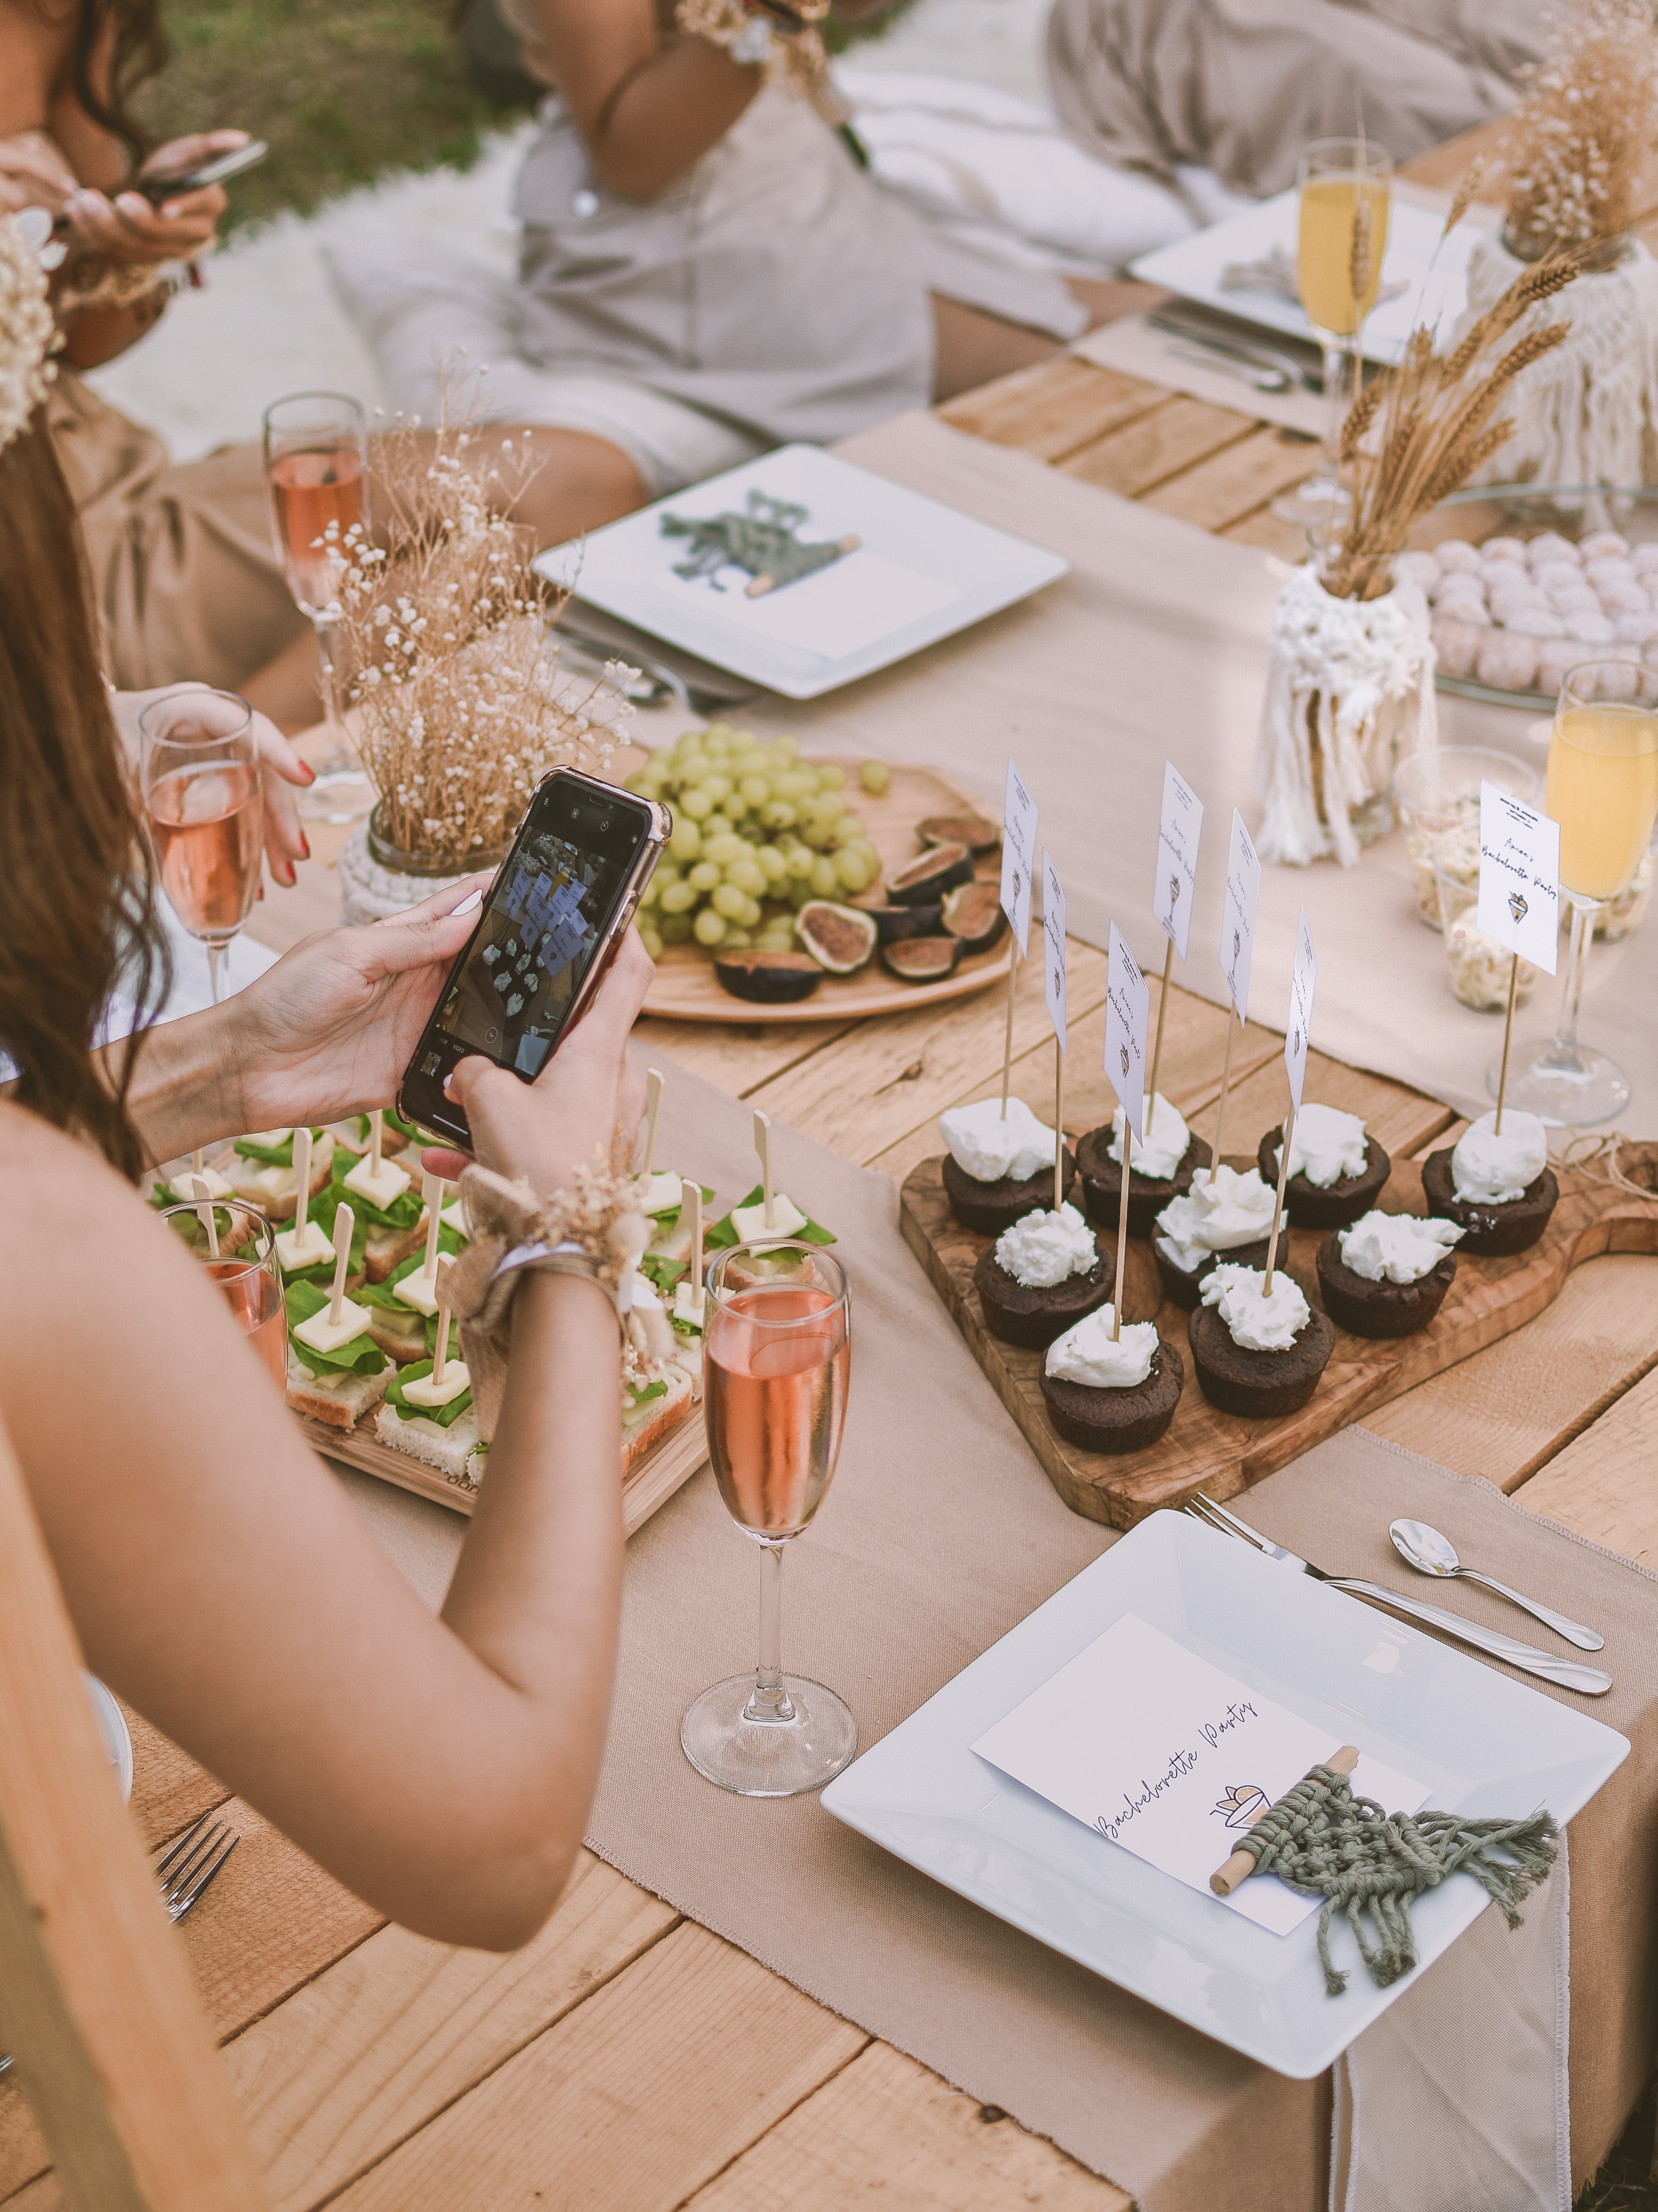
1349,692
1584,413
1366,1864
599,1216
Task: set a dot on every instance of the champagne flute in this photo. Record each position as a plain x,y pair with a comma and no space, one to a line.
1345,188
198,770
776,1364
1603,792
316,465
239,1255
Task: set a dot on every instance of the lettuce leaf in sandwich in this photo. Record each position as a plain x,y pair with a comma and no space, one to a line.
323,1272
273,1156
359,1356
383,1294
724,1231
403,1213
445,1416
661,1224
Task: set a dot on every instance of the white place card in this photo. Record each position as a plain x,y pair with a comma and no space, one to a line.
1179,830
1159,1752
1303,981
1519,876
1237,914
1127,1006
1018,855
1053,946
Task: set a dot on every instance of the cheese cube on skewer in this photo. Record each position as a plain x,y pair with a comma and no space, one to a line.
380,1189
320,1334
419,1291
425,1392
305,1247
752,1227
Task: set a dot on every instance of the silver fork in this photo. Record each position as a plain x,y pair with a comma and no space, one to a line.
1568,1674
182,1870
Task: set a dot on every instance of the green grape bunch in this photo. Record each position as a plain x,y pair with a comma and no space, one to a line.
756,832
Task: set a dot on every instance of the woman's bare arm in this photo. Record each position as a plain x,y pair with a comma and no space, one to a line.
221,1580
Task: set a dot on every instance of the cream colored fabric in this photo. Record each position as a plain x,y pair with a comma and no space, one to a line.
939,1535
1130,346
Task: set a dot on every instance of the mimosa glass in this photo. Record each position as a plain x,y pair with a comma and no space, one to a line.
777,1363
245,1271
1603,792
199,771
1345,188
316,465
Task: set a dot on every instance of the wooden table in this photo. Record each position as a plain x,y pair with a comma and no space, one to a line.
627,2060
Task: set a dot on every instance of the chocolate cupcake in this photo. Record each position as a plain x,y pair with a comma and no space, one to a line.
1352,1191
1516,1161
1189,1233
1163,1168
1261,1384
1041,1276
1110,1418
988,1208
1378,1304
1184,1286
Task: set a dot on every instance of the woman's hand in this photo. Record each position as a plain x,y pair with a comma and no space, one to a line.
569,1117
131,228
34,173
281,769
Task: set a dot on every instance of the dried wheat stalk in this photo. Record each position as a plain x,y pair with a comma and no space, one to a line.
1577,143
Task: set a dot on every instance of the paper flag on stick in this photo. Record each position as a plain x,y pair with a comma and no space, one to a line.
1178,832
1303,981
1053,946
1237,914
1127,1009
1519,876
1019,856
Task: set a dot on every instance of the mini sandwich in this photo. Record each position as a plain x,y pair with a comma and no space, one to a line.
431,1419
650,1409
336,1371
264,1174
748,1223
665,1207
388,1209
356,1132
403,1310
177,1187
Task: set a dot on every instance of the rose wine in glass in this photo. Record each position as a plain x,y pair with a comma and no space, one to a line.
205,813
316,465
1603,792
244,1268
777,1365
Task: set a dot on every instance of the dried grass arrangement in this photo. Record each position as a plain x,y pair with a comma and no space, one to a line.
444,634
1577,145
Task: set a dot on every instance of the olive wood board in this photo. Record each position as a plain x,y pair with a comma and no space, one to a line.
687,989
668,1467
1203,1449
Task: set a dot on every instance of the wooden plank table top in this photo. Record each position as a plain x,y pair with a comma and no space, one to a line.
611,2063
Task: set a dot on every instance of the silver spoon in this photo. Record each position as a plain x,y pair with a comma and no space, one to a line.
1430,1554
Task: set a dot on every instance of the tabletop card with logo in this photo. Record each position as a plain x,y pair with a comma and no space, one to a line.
1053,946
1303,981
1127,1009
1165,1754
1237,914
1519,876
1179,830
1018,855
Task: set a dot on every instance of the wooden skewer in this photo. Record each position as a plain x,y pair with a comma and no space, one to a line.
1508,1035
1156,1049
376,1140
1225,1078
762,1145
302,1170
1122,1228
1242,1864
696,1247
441,1356
204,1214
431,1189
1287,1139
344,1222
653,1082
198,1162
1007,1042
1059,1124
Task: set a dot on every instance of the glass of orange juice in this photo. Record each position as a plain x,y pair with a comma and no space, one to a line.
1603,792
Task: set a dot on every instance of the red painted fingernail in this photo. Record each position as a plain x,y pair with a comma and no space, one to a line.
310,773
305,846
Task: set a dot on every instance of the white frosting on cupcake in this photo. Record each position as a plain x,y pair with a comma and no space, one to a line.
1086,1354
1487,1169
1327,1146
1395,1248
1255,1323
1166,1140
987,1144
1046,1249
1221,1211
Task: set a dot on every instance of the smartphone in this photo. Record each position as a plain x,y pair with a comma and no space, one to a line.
217,171
548,927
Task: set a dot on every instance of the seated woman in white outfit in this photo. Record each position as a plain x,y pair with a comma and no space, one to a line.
705,271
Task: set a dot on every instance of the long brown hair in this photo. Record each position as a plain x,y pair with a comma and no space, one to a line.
119,45
77,887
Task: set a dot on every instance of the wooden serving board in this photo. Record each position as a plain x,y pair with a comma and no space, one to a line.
1222,1453
650,1484
687,989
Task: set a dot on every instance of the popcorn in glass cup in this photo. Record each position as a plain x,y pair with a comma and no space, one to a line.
1479,966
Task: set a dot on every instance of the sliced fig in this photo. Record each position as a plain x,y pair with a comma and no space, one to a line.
973,912
768,979
892,922
969,829
838,938
923,959
925,881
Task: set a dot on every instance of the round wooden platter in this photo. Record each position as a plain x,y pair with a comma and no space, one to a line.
687,989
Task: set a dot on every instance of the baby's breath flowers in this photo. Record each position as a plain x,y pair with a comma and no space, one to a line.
28,334
1576,145
444,628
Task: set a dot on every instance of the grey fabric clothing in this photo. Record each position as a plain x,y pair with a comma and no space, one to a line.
1241,85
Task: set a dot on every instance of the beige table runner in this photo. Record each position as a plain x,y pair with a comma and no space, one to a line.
1134,348
940,1534
1155,646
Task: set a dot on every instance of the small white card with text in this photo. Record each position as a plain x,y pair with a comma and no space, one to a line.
1303,981
1157,1750
1178,833
1237,914
1018,855
1127,1006
1053,946
1519,876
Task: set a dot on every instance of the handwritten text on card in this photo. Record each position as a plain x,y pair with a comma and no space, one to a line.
1018,855
1237,914
1127,1006
1179,830
1519,876
1053,946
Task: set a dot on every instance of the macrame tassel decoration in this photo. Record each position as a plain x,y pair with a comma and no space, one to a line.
1585,413
1367,1864
1349,693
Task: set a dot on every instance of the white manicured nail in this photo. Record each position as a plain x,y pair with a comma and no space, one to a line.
468,905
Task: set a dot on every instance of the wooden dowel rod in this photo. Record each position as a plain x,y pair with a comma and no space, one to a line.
1508,1038
1285,1140
1059,1124
1007,1041
762,1145
1122,1228
1225,1078
1242,1864
653,1081
1156,1049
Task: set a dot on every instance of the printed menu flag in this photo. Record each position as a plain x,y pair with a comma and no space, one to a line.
1018,855
1519,876
1237,918
1302,981
1053,946
1127,1006
1178,832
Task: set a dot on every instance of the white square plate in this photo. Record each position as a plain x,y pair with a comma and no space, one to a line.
1435,276
1481,1743
922,571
